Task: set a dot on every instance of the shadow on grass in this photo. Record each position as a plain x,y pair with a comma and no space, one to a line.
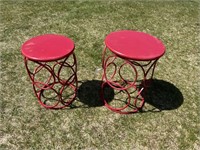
89,93
163,95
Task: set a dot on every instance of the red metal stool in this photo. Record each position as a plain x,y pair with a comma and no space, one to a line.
128,60
51,65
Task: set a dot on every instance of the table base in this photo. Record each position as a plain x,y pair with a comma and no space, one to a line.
54,83
129,79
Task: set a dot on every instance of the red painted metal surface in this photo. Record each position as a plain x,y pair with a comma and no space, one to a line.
139,52
134,45
47,71
48,47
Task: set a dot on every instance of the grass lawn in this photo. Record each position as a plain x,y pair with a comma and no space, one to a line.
26,125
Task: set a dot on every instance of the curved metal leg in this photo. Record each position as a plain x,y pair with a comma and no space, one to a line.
129,87
53,87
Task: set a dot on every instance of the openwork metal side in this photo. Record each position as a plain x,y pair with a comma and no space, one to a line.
128,78
55,82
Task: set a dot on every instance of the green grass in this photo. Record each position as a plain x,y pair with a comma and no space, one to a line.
25,125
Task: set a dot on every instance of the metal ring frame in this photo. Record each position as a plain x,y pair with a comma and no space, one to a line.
54,80
133,104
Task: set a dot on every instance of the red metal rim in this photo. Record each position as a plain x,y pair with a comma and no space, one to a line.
48,47
135,45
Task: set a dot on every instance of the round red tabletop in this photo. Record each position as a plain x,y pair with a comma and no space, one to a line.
135,45
47,47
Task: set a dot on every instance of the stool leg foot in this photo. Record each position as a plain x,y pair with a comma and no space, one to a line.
125,101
